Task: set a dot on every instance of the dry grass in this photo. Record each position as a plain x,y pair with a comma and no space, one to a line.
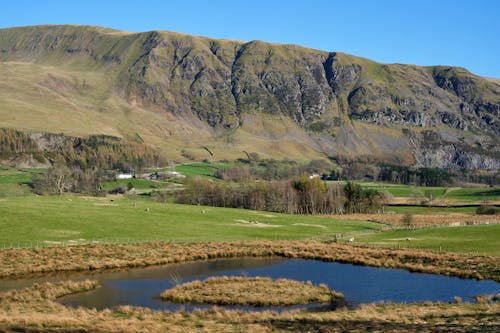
256,291
102,256
39,314
424,220
48,290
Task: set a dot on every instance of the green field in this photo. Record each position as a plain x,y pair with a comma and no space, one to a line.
54,218
17,175
478,239
202,169
456,193
138,184
490,193
15,182
27,218
399,190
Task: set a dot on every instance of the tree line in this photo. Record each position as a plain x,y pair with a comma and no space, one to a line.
96,151
271,169
302,195
348,170
60,178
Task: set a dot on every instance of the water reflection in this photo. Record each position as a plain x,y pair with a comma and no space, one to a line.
360,284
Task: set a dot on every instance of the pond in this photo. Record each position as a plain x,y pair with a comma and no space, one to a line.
359,284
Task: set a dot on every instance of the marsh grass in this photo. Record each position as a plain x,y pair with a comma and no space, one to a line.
255,291
48,291
103,256
36,314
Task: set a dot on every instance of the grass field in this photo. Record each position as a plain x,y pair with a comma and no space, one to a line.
15,182
479,239
17,175
54,218
400,190
138,184
490,193
202,169
456,193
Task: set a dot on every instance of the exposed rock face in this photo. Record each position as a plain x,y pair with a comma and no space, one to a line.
336,98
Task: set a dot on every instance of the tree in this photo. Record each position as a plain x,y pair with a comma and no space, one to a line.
57,180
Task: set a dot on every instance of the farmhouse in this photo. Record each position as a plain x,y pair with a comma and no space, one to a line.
124,176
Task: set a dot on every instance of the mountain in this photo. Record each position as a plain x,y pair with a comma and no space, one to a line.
183,93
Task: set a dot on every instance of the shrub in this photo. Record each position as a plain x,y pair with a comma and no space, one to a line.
486,210
407,219
159,196
120,189
187,154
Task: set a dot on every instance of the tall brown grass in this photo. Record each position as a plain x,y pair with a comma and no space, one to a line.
103,256
39,314
255,291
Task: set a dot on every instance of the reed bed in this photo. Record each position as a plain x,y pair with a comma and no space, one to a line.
105,256
42,314
254,291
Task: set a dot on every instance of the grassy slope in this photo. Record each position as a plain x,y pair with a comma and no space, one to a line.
71,217
201,168
461,194
81,102
480,239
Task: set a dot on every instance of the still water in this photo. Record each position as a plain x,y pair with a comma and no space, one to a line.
359,284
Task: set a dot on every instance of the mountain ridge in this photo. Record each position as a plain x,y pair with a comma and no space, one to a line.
248,96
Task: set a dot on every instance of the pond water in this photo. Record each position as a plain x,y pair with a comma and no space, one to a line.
359,284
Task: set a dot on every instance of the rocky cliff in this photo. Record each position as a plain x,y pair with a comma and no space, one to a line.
234,95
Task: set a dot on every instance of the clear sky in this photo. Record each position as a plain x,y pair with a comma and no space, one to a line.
423,32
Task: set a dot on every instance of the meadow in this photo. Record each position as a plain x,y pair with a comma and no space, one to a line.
454,193
477,239
116,218
202,169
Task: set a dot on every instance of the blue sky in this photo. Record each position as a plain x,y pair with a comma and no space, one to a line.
439,32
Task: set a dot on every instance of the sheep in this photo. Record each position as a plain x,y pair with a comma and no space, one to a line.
351,240
408,239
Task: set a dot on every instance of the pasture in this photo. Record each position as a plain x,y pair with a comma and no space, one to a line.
116,218
453,193
201,169
476,239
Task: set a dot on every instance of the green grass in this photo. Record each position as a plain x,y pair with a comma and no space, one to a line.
17,176
15,182
54,218
201,169
399,190
462,194
138,184
479,239
490,193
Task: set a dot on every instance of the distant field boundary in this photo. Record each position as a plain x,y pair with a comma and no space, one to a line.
451,205
343,236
